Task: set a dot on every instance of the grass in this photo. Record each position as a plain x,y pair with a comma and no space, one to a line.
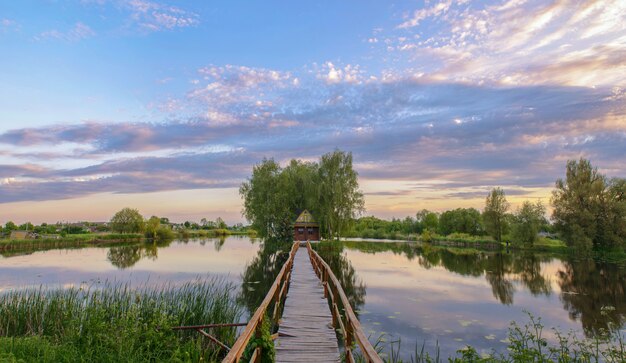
115,322
72,240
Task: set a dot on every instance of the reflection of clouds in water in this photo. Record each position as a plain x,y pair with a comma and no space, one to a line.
177,262
436,290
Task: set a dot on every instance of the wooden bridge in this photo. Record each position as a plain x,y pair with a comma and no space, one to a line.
311,300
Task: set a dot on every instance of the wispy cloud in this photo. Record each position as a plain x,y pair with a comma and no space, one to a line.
516,42
399,129
7,24
154,16
78,32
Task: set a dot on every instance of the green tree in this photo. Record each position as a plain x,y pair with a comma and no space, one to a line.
27,227
10,226
152,227
219,223
589,211
127,220
427,220
329,190
341,201
527,223
461,220
264,201
494,215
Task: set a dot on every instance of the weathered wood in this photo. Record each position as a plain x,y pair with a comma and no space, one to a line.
306,333
352,328
240,345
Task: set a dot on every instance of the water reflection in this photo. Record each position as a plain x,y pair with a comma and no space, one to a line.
153,263
352,285
587,286
261,271
584,287
499,269
124,257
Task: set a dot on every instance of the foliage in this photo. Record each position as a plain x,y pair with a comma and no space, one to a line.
589,211
329,190
115,322
527,223
340,199
127,220
265,342
157,231
428,220
372,227
427,236
527,343
494,215
10,226
461,220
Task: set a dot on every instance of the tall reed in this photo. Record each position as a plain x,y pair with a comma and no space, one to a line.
115,322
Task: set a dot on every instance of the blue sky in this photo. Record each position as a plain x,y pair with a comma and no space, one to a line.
166,105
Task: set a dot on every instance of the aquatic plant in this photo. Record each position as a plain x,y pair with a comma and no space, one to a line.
527,343
112,322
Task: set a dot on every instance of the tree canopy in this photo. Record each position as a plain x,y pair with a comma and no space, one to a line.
494,215
461,220
127,220
589,210
527,223
329,189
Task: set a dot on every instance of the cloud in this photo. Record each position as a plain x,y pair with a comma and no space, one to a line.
138,175
456,135
155,16
78,32
7,25
566,42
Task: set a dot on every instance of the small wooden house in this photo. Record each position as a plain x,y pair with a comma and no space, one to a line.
305,228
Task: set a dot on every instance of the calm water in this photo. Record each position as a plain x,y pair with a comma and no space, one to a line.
401,290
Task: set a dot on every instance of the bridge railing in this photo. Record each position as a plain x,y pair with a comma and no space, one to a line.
348,324
276,295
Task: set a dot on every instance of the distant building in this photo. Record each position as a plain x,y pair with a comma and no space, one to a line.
305,228
23,235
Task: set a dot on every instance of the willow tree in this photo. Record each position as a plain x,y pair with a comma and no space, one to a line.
329,190
494,215
262,199
127,220
340,200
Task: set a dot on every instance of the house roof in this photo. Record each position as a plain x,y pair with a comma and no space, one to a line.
305,218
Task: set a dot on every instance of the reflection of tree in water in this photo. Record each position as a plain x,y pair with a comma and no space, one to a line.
124,257
500,269
218,243
496,267
352,285
528,267
587,286
261,272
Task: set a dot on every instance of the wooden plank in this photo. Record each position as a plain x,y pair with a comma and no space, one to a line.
306,333
240,345
352,323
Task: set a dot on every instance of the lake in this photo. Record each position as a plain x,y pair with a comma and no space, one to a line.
404,291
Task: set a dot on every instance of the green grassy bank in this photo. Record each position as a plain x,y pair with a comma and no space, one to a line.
69,241
115,323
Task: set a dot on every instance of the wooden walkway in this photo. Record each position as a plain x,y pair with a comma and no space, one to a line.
306,333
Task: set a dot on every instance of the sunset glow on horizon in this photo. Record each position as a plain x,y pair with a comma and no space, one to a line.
165,106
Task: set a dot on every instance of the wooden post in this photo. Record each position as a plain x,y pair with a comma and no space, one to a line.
258,335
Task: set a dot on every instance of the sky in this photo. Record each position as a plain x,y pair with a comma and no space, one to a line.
165,106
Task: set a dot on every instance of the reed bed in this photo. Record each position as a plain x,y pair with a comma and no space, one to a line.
113,322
